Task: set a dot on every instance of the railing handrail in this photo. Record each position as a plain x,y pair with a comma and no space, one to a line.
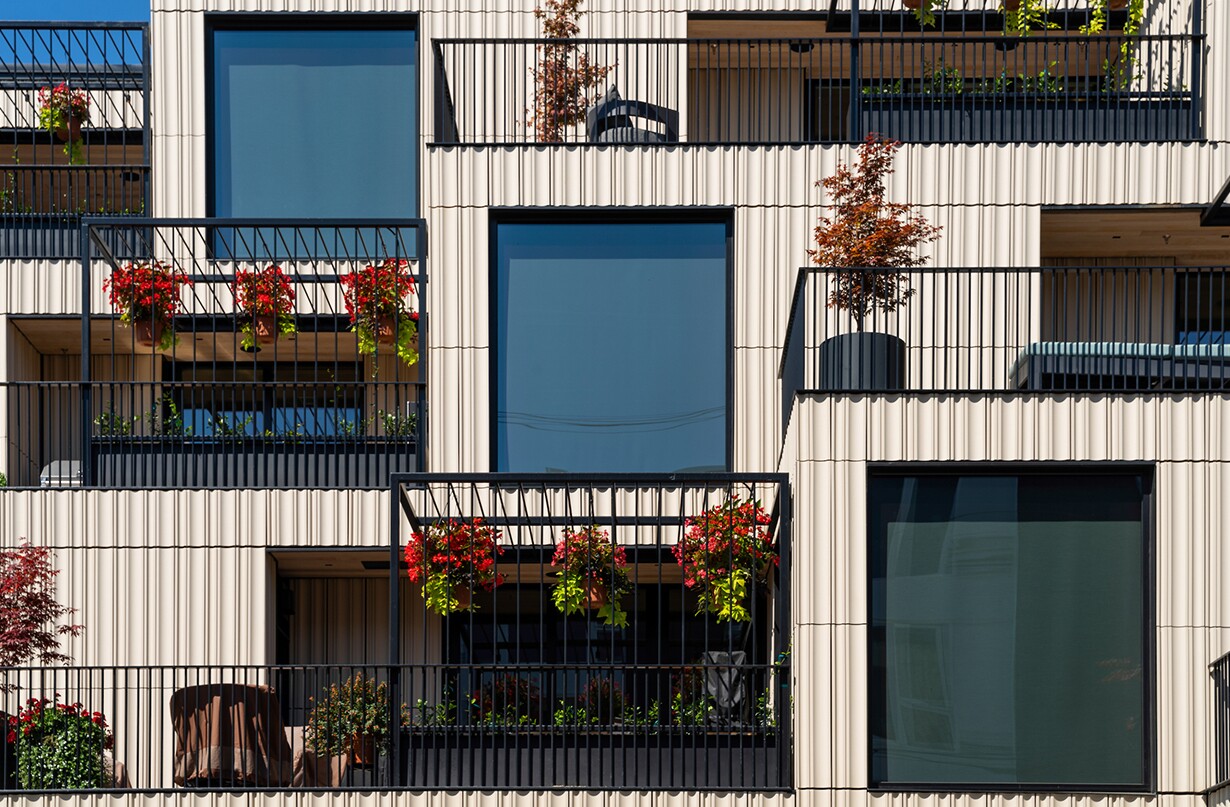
27,25
560,479
843,37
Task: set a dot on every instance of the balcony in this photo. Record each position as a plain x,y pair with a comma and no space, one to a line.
510,694
970,80
48,183
1118,330
199,398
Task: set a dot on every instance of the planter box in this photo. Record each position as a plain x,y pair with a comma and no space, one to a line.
135,462
669,758
1027,118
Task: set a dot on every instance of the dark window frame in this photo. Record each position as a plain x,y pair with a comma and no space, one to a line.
1148,473
305,21
607,215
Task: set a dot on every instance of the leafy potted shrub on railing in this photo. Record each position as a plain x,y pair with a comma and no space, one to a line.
507,700
723,551
565,79
64,110
375,298
265,302
147,297
352,719
865,241
61,746
452,558
593,574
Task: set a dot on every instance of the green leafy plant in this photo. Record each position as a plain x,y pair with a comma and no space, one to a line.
507,700
350,714
428,714
396,424
110,423
924,10
593,574
939,79
1027,16
60,746
453,555
722,551
690,704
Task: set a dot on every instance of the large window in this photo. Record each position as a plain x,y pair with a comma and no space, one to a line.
611,346
1010,629
314,123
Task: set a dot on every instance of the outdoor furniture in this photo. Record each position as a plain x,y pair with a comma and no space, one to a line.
724,682
229,735
614,120
1120,365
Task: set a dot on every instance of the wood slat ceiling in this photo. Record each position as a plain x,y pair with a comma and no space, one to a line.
1138,233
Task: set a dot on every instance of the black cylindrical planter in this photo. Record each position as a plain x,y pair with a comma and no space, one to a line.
862,361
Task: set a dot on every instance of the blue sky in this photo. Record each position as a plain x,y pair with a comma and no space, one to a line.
77,10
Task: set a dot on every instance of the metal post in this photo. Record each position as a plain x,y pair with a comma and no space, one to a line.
1198,56
855,76
395,699
87,458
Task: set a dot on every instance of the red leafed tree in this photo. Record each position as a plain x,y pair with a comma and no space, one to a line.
30,617
865,231
565,76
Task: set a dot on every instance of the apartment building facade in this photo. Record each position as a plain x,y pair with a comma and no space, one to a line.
989,519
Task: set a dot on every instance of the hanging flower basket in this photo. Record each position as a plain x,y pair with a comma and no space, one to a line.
593,575
452,558
264,304
723,551
376,300
146,295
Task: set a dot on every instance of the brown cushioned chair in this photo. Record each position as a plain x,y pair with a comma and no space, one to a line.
229,735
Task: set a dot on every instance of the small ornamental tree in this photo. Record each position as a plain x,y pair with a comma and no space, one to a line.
868,231
565,77
31,621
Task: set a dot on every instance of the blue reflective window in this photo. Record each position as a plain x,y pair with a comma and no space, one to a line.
610,347
315,123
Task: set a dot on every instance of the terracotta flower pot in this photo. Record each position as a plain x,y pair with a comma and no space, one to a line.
1118,5
363,750
148,332
596,597
462,594
70,131
1012,5
265,329
912,5
386,331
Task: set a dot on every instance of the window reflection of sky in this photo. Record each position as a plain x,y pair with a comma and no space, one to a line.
611,347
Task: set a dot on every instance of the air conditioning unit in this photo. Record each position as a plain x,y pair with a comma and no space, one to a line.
61,474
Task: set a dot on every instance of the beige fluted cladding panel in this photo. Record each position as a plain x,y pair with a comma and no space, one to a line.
171,519
756,417
457,280
1014,427
459,422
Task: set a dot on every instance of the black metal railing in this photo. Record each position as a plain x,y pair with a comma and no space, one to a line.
945,87
50,178
197,434
1132,329
1220,672
654,672
490,727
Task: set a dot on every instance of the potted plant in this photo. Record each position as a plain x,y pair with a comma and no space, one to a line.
722,551
864,242
451,559
507,700
565,78
593,575
63,110
375,298
147,297
265,302
352,719
61,746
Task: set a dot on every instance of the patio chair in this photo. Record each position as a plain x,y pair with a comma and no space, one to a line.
614,120
725,682
229,735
